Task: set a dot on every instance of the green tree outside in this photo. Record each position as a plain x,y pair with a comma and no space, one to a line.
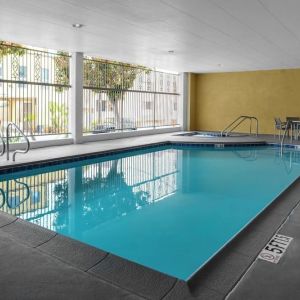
7,48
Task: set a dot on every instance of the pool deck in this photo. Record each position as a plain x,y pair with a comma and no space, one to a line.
57,152
39,264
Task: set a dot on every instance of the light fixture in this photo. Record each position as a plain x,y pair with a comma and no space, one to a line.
77,25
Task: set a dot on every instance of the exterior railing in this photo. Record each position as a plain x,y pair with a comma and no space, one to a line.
125,97
35,94
34,90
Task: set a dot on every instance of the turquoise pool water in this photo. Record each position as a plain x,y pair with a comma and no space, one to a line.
169,208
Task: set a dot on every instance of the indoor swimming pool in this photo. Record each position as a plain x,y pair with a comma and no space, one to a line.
170,208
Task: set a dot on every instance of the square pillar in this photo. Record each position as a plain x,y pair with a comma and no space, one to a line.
76,105
184,103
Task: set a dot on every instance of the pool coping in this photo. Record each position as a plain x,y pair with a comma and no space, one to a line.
114,269
5,169
280,280
16,166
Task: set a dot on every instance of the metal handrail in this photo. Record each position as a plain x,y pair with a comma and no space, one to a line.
3,144
287,128
11,124
233,125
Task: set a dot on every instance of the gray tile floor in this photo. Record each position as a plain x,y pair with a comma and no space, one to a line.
265,280
39,264
26,272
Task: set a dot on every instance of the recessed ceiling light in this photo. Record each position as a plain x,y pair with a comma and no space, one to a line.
171,51
77,25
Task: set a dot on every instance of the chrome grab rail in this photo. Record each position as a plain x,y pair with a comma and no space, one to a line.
233,125
3,144
11,124
288,124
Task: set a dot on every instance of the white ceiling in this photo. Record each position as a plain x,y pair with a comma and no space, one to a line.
206,35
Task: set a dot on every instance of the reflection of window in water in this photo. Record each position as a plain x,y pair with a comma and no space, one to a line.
151,173
40,194
35,197
103,191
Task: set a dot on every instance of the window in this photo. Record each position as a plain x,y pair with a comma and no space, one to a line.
22,76
22,73
3,105
148,105
45,75
175,106
101,105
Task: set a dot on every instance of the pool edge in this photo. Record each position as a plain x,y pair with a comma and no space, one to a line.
139,270
16,167
174,280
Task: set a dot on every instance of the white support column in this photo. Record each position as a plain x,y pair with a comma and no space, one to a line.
76,105
184,91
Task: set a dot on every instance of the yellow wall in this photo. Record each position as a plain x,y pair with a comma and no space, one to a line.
216,99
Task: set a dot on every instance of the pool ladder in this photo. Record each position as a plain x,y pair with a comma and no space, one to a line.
233,125
5,145
288,124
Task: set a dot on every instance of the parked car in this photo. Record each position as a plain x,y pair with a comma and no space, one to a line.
127,124
104,128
